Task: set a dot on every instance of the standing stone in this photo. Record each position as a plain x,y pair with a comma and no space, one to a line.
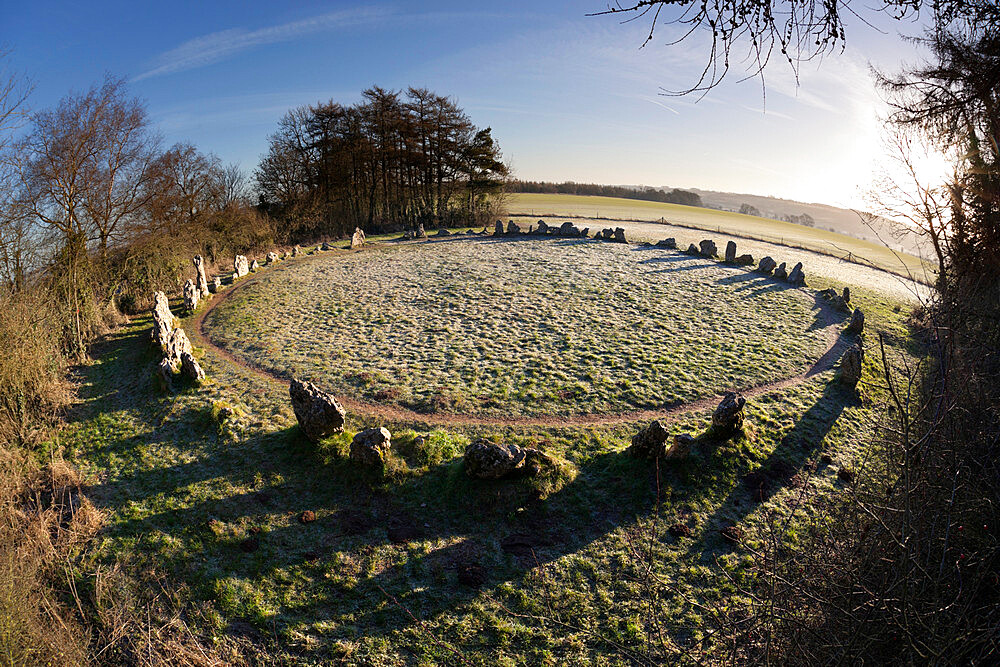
191,295
781,273
443,232
241,266
176,346
708,248
201,280
371,446
857,323
731,252
190,367
216,285
650,442
850,365
670,244
166,371
163,319
766,265
797,277
744,260
692,249
620,235
728,416
254,266
286,255
512,228
272,257
296,251
543,228
585,232
421,233
358,239
318,413
498,228
846,296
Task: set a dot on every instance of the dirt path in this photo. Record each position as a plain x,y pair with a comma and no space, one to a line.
830,318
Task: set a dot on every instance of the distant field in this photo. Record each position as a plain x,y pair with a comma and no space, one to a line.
775,231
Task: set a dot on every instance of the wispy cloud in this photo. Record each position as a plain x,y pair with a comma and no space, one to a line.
218,46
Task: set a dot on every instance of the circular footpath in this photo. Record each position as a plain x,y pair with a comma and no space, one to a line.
557,320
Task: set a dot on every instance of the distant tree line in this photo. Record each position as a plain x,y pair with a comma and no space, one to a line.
395,159
674,196
803,219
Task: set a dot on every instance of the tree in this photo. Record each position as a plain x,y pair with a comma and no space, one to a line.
747,209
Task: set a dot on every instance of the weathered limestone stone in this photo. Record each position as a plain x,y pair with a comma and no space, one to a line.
683,442
692,249
191,295
318,413
846,296
358,239
201,280
708,248
272,257
296,251
766,265
670,243
728,416
850,365
487,460
781,273
744,260
371,446
190,367
176,346
569,229
498,228
241,266
797,277
421,233
254,266
585,232
543,228
650,442
857,323
620,235
166,371
731,252
286,255
163,319
216,285
512,228
443,232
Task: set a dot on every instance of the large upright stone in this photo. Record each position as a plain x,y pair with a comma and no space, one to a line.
650,442
731,252
498,228
857,323
371,446
620,235
421,232
318,413
190,367
358,239
708,248
191,295
766,265
542,229
241,266
851,364
513,229
177,346
781,273
201,280
569,229
163,319
797,277
728,416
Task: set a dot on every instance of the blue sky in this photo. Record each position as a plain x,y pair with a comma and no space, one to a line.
569,97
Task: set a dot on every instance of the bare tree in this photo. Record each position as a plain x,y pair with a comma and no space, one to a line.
235,186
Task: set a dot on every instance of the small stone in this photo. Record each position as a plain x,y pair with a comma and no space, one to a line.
513,229
679,530
707,248
371,446
781,273
296,251
216,285
670,243
543,229
241,266
732,534
847,295
857,323
845,474
272,257
851,365
254,266
650,442
728,416
307,517
421,233
318,413
744,260
797,277
498,228
190,367
620,235
585,232
681,449
488,460
693,250
358,238
766,265
443,232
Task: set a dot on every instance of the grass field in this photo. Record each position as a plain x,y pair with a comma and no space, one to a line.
533,206
522,327
420,565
